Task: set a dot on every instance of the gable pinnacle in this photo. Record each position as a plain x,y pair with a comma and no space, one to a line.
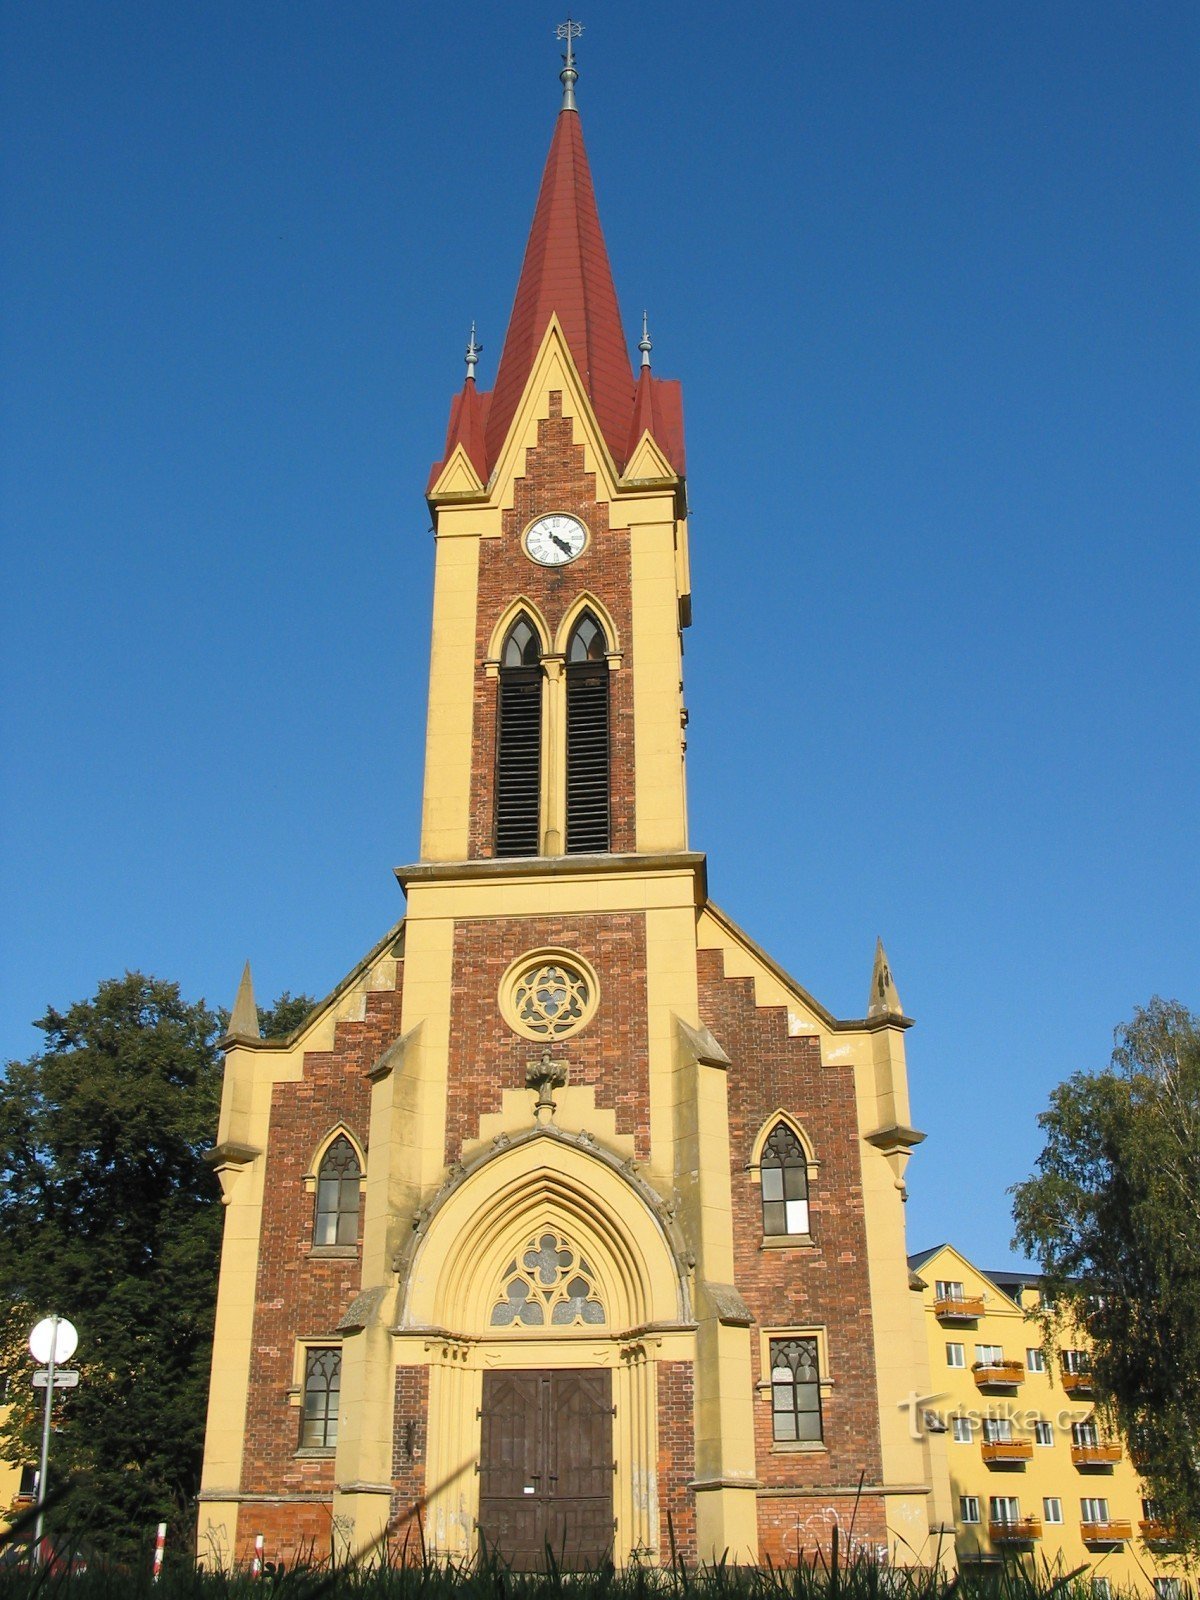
243,1024
884,1001
645,344
474,351
568,31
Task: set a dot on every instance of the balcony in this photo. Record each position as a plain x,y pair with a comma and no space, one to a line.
1006,1452
1077,1382
969,1308
1024,1531
1106,1532
1154,1531
1095,1457
998,1374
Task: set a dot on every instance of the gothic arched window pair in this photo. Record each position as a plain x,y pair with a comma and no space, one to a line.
520,823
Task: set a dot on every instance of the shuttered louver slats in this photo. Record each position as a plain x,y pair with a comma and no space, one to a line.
518,763
587,758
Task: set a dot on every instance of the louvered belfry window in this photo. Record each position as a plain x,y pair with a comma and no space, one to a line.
587,738
519,742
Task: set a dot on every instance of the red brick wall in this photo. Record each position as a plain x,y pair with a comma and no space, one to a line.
676,1460
293,1531
487,1057
409,1435
554,481
296,1294
800,1287
794,1529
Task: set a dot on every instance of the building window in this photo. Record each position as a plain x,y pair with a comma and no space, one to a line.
1152,1511
519,742
1005,1508
955,1355
988,1355
783,1172
1085,1434
997,1430
964,1430
322,1390
1035,1361
1101,1589
1043,1433
587,738
28,1487
1052,1509
1091,1510
1168,1588
1076,1362
339,1188
948,1289
968,1508
795,1391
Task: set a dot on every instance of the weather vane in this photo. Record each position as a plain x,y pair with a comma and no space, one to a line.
568,31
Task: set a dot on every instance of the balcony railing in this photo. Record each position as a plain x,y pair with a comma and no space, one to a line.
967,1309
1106,1532
1077,1382
998,1374
1155,1531
1095,1455
1006,1452
1023,1531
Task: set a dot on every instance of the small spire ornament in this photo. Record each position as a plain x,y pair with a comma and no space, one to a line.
568,31
474,351
645,343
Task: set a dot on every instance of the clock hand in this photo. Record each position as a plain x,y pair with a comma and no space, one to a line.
561,543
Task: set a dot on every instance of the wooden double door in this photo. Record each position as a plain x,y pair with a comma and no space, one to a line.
546,1468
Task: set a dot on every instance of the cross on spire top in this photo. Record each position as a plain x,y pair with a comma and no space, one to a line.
568,32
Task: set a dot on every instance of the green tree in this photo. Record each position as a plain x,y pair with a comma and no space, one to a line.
109,1215
1112,1215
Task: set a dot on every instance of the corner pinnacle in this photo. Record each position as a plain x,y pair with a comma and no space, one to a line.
243,1024
883,1000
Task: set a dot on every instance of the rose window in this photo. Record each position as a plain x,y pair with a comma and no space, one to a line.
551,1000
549,1284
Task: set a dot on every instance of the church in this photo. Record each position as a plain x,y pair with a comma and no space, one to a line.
569,1220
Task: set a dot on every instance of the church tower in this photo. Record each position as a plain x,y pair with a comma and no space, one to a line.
569,1218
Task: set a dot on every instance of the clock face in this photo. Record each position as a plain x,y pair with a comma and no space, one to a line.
554,540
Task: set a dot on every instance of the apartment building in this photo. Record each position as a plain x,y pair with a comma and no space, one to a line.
1033,1470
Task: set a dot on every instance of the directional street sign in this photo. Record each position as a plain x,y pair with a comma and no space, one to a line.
64,1378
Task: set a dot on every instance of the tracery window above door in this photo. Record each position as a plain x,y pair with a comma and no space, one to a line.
549,1284
783,1170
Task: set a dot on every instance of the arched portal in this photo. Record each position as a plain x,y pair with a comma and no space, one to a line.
541,1294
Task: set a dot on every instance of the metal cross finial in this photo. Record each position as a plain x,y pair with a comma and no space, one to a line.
474,351
568,31
645,344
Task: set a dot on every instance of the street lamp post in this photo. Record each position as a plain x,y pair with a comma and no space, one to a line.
52,1342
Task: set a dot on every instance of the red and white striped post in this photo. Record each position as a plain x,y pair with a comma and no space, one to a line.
160,1540
257,1566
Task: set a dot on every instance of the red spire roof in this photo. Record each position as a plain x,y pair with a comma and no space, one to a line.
566,274
566,271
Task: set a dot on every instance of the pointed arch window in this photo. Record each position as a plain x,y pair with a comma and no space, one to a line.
588,763
783,1171
339,1189
322,1397
519,742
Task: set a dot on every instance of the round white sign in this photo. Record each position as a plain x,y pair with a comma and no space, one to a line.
61,1336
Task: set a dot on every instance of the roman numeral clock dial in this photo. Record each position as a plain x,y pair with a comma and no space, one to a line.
554,540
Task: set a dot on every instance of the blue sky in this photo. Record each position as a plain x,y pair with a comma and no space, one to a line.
928,273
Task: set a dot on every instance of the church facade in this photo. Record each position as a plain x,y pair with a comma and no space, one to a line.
569,1219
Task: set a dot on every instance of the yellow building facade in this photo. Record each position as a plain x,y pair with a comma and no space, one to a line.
569,1219
1033,1470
